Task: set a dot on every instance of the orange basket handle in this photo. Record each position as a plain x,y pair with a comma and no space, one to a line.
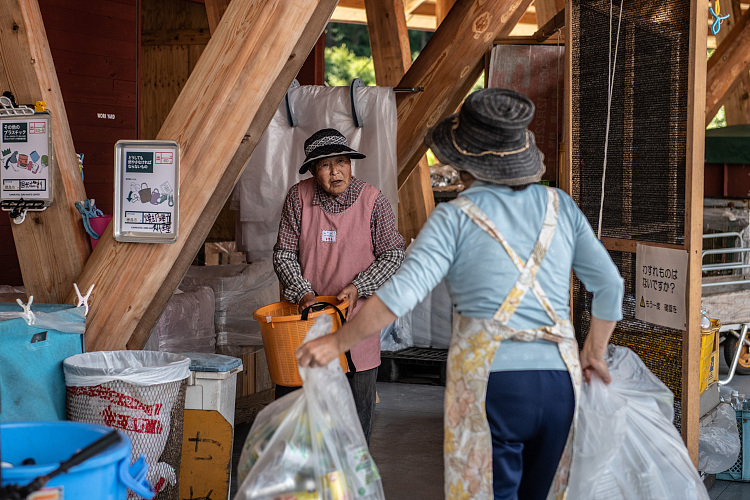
319,306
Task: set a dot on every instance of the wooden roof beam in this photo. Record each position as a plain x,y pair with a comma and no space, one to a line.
547,9
391,54
728,63
737,101
236,86
52,245
447,68
411,5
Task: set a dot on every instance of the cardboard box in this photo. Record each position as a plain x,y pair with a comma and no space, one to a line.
223,253
254,377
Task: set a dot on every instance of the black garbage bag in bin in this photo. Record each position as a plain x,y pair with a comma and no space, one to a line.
141,393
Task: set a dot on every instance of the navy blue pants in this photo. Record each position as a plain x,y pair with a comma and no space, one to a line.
529,413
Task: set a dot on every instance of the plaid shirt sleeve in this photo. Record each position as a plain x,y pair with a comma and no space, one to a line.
286,250
389,249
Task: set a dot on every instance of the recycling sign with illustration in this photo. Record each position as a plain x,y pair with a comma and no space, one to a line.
661,278
147,191
25,156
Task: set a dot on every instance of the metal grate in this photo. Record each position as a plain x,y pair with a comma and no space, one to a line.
646,160
417,355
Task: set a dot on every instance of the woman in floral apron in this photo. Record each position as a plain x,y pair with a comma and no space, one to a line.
505,247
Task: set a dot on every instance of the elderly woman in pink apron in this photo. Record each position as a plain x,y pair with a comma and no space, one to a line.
338,237
505,247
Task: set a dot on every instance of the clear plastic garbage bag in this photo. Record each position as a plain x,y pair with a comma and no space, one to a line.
397,335
719,441
309,444
626,446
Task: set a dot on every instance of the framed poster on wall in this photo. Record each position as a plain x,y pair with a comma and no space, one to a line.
26,158
147,176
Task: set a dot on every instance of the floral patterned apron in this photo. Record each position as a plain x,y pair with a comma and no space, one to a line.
467,443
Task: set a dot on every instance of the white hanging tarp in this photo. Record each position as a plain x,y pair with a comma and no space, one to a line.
274,165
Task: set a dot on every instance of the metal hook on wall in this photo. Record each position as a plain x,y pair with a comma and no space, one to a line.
290,118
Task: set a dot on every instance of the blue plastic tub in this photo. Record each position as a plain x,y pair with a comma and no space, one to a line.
107,476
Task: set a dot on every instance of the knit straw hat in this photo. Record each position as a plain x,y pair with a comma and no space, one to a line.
489,138
326,143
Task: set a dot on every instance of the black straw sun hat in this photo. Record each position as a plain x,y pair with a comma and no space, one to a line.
489,138
326,143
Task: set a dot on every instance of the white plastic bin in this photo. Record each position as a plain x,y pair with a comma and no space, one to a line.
213,383
209,426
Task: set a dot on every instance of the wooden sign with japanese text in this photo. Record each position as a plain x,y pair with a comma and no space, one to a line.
661,278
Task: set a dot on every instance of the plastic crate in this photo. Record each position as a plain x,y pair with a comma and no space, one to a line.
740,471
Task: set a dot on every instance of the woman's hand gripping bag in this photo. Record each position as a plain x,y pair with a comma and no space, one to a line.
309,444
626,446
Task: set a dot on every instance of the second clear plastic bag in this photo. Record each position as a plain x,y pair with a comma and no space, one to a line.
309,444
626,445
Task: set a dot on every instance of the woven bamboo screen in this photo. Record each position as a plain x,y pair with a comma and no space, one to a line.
646,159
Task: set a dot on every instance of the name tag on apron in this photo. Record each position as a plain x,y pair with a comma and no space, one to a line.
328,236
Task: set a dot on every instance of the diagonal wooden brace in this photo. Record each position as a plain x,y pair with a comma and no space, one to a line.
447,68
236,86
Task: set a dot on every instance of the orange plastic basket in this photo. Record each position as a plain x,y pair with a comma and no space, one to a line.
283,331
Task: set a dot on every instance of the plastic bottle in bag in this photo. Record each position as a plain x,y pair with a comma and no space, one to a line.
735,400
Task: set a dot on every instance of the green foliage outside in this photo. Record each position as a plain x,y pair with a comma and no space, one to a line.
342,66
720,120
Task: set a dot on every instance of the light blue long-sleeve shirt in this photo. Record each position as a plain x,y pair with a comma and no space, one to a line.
479,273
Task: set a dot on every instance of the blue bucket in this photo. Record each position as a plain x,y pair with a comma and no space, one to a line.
107,476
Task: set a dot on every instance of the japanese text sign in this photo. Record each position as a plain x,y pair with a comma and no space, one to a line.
26,157
661,278
147,175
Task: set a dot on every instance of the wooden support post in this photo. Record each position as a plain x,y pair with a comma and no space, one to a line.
547,10
737,101
391,54
236,86
565,174
691,339
447,69
730,60
52,245
389,40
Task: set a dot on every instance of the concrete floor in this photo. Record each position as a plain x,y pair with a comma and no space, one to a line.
408,437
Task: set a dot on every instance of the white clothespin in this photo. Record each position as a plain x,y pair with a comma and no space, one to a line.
21,217
27,314
83,300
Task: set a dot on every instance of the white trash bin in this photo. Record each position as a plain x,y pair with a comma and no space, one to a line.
208,433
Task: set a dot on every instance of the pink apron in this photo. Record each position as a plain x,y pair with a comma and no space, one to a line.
334,249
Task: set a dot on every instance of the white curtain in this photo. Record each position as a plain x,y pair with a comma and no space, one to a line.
274,165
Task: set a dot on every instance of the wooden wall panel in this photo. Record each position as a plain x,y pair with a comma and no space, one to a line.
165,66
94,48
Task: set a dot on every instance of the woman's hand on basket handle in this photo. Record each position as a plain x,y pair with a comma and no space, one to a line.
594,349
351,294
307,300
372,318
